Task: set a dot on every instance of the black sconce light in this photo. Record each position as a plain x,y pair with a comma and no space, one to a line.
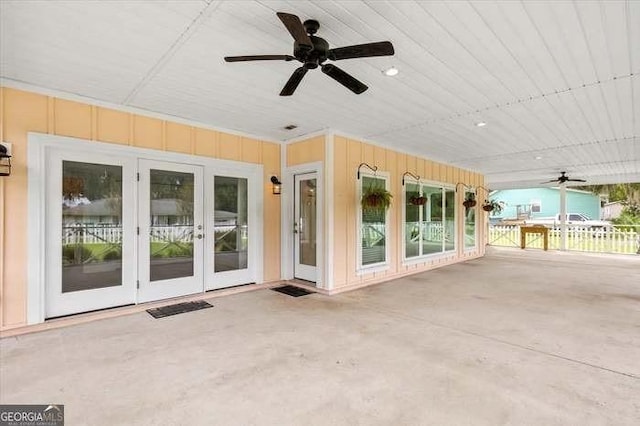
277,185
5,161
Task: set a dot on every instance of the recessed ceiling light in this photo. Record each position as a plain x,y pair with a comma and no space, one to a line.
538,157
391,71
481,124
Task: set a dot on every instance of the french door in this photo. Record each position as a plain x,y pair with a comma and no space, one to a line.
90,241
305,226
171,230
120,229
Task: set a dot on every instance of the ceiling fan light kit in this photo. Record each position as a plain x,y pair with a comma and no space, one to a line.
313,51
393,71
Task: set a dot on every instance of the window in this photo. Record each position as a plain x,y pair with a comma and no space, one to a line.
535,206
469,224
429,219
373,226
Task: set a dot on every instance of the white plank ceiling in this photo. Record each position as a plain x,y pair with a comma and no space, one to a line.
556,82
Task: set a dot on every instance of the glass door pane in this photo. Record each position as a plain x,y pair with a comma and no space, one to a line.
374,227
230,224
307,222
171,229
469,223
450,220
305,226
432,225
91,226
412,220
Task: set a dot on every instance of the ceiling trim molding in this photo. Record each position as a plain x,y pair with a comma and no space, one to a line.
19,85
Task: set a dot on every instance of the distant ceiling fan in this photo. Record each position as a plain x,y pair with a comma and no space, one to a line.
564,178
313,51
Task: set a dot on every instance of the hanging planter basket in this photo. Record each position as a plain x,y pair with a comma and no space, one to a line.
492,206
376,199
418,201
469,203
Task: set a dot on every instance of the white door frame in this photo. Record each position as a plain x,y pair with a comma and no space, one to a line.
163,289
288,198
56,302
301,270
38,147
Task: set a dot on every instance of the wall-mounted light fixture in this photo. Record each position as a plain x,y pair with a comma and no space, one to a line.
277,185
5,160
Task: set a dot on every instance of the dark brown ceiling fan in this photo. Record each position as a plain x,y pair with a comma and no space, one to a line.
564,178
312,51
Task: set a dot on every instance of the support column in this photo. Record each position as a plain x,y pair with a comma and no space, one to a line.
563,216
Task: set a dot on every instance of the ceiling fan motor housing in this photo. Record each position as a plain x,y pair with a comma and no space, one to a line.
311,58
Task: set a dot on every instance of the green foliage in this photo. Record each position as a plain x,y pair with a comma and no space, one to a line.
76,254
626,192
112,255
493,206
630,216
169,250
376,198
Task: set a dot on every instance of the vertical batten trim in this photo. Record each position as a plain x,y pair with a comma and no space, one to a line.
192,138
163,136
284,242
132,129
51,115
328,207
94,123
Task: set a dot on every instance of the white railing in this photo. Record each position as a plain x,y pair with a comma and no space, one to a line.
109,234
624,239
431,231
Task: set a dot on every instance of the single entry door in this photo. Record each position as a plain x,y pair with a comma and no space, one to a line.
305,226
171,234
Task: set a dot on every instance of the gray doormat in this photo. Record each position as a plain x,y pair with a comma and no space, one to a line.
179,308
292,291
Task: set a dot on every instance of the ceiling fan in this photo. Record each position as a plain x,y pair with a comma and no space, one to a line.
564,178
312,51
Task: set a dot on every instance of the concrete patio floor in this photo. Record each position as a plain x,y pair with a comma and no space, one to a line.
517,337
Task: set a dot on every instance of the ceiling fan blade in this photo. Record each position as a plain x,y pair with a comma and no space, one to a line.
345,79
259,58
381,48
295,28
549,181
293,82
576,180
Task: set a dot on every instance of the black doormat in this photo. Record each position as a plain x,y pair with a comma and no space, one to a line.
179,308
292,291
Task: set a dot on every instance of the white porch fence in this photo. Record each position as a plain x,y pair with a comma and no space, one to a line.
624,239
101,234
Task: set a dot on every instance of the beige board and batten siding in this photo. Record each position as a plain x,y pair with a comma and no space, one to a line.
306,151
348,155
22,112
